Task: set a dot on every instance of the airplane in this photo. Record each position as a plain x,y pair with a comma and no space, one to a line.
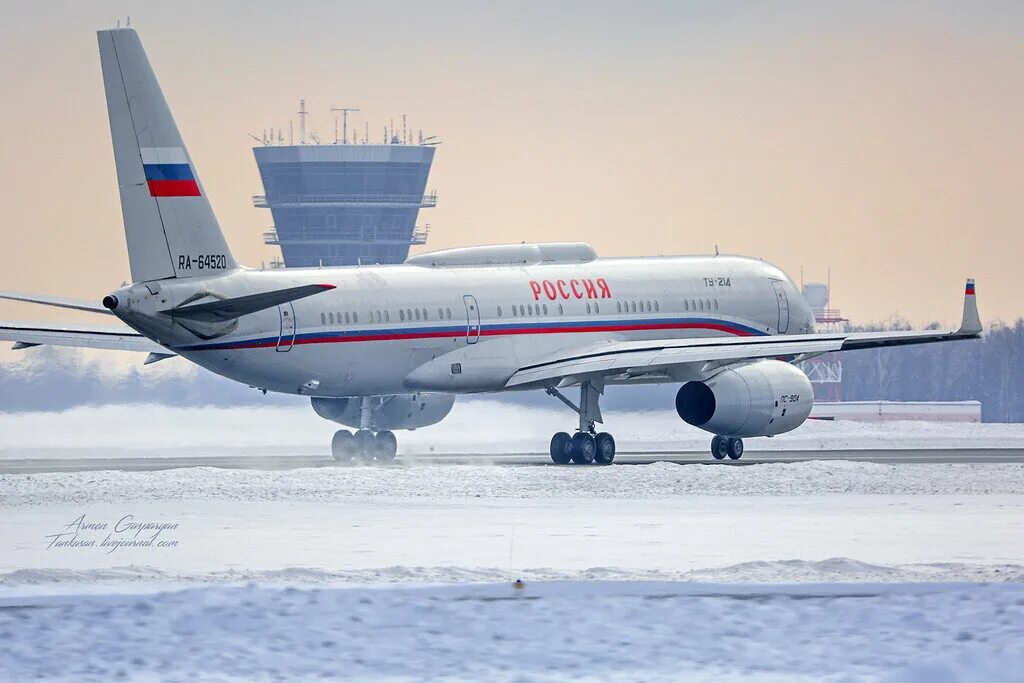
385,347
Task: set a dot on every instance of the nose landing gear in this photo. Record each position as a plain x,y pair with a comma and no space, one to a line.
727,446
585,446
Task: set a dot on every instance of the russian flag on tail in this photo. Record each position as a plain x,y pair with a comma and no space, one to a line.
168,173
969,289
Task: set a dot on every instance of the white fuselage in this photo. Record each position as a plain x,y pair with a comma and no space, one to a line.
381,323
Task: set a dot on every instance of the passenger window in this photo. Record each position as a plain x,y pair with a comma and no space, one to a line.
545,309
522,310
448,311
323,319
355,317
656,306
425,314
693,304
561,311
387,316
700,304
686,305
417,314
715,301
708,303
596,309
378,316
632,306
330,316
588,307
529,309
440,312
618,306
408,314
499,311
401,314
515,313
346,319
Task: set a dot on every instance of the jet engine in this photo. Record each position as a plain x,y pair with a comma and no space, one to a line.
398,411
763,398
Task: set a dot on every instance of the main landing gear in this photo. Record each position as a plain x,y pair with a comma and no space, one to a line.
585,446
727,446
366,444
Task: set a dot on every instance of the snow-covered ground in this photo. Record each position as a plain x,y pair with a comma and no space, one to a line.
813,571
654,631
474,426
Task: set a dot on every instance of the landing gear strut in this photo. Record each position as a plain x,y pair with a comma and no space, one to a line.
727,446
585,446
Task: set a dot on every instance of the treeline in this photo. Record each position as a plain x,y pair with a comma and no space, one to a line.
990,370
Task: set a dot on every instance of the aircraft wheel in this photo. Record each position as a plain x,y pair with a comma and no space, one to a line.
387,445
734,448
561,448
341,445
583,448
604,451
364,445
718,447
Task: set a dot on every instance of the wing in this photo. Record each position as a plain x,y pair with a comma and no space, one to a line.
111,337
685,359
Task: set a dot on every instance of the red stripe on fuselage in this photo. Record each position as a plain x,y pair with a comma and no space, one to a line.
496,332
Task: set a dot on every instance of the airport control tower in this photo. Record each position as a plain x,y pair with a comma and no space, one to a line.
348,202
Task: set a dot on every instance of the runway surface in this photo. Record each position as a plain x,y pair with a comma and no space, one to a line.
287,462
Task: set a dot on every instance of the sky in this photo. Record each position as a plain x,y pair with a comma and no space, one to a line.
882,140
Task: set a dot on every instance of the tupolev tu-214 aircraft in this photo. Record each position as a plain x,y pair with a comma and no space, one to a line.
380,348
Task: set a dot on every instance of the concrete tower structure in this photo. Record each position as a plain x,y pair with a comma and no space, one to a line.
345,204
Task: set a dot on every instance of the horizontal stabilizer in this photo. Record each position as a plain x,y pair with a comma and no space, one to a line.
228,309
58,301
109,337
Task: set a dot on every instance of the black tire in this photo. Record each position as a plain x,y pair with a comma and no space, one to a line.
734,448
341,445
561,448
387,445
604,452
718,447
364,445
583,448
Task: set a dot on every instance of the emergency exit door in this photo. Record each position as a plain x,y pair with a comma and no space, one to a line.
287,337
780,296
472,319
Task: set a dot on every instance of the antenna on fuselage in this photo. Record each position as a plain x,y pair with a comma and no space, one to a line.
716,250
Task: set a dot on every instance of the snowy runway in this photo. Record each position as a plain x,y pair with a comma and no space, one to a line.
895,573
547,631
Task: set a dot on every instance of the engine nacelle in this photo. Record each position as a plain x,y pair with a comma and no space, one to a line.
399,411
763,398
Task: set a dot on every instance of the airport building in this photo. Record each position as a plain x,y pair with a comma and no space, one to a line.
348,202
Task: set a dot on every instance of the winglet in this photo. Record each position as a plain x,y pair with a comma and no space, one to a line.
971,323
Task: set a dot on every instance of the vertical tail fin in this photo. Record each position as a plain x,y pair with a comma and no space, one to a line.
168,221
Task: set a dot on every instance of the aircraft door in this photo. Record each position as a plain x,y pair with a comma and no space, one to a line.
783,300
472,319
287,337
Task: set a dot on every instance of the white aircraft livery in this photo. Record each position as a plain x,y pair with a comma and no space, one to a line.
380,348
